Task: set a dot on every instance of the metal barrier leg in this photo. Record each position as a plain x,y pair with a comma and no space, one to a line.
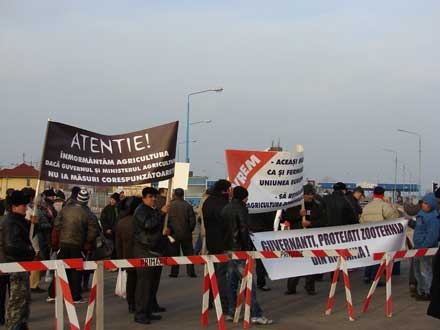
241,293
331,296
388,272
205,299
373,286
247,309
347,289
100,295
92,302
66,293
216,296
59,310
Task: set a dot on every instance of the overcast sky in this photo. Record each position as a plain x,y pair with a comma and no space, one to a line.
338,77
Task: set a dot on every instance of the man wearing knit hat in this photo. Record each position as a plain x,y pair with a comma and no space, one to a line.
76,228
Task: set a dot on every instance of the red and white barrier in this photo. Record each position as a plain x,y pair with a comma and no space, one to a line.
91,303
241,292
373,287
216,296
387,259
210,281
205,296
341,265
247,308
67,295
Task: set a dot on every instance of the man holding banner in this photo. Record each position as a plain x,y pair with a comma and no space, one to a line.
311,216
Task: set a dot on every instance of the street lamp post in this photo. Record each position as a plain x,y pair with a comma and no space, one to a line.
395,172
178,148
420,156
218,89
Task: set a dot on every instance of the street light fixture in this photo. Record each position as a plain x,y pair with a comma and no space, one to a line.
178,147
395,172
420,156
206,121
217,90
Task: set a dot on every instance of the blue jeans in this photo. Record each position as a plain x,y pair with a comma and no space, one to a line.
423,274
235,273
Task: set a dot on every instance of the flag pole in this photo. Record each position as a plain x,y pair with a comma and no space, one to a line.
165,223
299,148
37,188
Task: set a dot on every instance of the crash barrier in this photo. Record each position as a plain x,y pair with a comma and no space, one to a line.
96,297
386,263
62,288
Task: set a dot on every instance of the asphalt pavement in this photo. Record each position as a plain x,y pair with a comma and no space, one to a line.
183,299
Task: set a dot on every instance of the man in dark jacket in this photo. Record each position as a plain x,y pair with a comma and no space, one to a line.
124,247
236,238
259,222
182,220
311,216
338,208
109,217
213,222
4,278
77,229
16,246
148,232
354,198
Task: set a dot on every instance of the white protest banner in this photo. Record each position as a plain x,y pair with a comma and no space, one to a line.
273,179
380,236
181,176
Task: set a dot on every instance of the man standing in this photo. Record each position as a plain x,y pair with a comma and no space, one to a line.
338,208
314,217
16,246
109,217
213,221
355,199
182,220
259,222
148,232
77,228
374,211
124,248
236,238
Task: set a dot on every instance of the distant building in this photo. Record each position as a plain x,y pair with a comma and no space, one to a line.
23,175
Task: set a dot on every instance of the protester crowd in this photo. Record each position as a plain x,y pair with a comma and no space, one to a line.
150,226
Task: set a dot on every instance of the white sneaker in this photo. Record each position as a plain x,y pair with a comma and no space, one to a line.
81,301
261,320
50,300
229,318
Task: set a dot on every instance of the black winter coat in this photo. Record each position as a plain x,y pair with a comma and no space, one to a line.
76,225
339,210
316,215
15,239
147,231
235,223
214,222
259,222
434,306
182,219
109,217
